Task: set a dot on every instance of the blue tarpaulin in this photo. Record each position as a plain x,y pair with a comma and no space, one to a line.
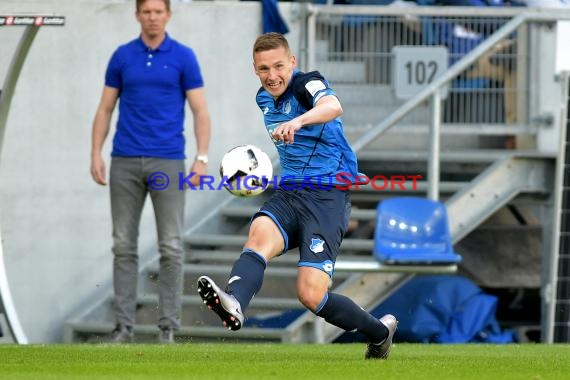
443,309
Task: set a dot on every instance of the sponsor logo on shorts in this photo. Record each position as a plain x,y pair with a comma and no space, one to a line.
328,267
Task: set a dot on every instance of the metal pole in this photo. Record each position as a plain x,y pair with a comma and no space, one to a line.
311,40
433,159
552,254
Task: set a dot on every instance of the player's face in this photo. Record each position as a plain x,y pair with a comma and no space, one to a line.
274,69
153,17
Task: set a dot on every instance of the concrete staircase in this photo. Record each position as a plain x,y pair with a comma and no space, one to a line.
213,252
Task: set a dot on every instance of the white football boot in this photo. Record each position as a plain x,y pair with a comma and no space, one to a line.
222,303
382,350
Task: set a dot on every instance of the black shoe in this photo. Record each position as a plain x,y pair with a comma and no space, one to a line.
122,334
382,350
166,335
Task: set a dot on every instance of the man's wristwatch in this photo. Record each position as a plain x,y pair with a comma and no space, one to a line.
202,158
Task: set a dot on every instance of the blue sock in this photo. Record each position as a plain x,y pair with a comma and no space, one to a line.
246,277
342,312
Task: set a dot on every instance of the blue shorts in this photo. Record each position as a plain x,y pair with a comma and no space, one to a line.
314,220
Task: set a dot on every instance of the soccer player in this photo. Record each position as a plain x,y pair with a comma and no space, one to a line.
301,113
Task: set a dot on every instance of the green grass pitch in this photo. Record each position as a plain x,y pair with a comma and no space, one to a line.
283,361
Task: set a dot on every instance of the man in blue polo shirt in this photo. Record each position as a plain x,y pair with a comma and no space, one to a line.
153,76
302,116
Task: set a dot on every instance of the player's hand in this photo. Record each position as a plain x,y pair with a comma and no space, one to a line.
286,131
98,170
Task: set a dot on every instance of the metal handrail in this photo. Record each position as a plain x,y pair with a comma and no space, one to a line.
367,10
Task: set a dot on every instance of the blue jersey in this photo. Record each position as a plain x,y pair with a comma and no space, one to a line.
320,152
152,88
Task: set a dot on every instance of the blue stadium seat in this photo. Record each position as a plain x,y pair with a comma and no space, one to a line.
412,230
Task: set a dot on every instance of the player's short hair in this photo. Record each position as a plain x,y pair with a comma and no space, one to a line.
270,41
141,2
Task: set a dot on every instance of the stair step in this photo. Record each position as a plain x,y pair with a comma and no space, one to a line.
217,269
345,263
199,256
93,332
371,265
367,194
272,271
248,211
408,186
420,127
257,302
458,156
223,270
221,240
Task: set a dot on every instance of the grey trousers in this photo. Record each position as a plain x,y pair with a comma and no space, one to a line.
129,188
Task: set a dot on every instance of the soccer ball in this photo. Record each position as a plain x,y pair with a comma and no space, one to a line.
246,170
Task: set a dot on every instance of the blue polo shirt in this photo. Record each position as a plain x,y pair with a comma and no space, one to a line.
320,150
152,88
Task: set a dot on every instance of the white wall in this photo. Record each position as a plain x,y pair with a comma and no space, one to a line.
55,220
